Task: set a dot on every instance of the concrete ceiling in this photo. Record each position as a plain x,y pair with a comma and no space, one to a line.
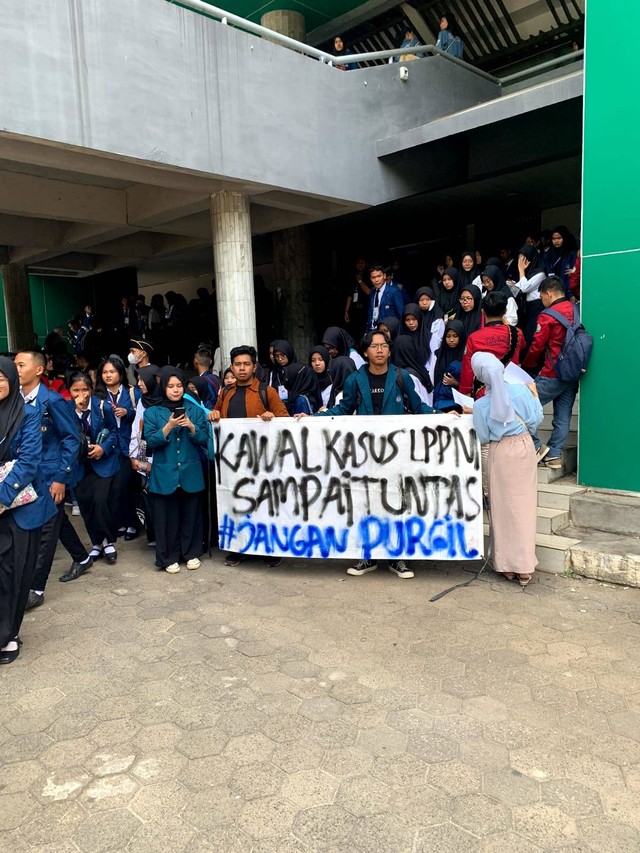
68,211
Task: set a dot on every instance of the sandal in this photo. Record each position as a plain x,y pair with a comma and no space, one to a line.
510,576
524,579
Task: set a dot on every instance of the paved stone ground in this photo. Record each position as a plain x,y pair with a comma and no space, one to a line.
299,709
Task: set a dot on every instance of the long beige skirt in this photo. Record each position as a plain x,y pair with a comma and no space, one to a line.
513,494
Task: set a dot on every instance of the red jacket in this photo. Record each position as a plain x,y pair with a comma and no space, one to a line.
550,335
494,338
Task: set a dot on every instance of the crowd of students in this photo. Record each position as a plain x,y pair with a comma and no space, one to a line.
130,442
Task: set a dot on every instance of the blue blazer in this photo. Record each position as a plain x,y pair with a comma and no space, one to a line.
101,417
60,437
26,449
357,395
123,432
391,305
176,460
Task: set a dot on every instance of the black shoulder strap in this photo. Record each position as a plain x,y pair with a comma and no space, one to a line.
262,391
400,383
513,343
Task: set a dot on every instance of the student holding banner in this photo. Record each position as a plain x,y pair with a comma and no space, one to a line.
378,388
248,398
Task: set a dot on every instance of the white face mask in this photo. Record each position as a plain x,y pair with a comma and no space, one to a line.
134,359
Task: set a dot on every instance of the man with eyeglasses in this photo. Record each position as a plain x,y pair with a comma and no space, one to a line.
378,388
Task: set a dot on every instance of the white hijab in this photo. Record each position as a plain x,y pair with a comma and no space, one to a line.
491,373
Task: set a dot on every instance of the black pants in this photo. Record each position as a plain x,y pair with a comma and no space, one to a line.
18,555
178,521
121,496
58,527
210,507
532,309
93,493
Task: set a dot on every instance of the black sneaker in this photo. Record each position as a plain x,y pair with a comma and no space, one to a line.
401,569
36,599
362,567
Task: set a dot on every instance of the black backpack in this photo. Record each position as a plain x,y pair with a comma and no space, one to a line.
573,359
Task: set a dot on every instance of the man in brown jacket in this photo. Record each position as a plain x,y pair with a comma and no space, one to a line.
247,399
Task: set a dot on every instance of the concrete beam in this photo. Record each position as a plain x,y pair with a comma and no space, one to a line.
24,231
419,23
28,195
307,205
149,206
72,262
349,20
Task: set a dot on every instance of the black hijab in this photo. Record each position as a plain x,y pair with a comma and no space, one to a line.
340,367
497,277
324,378
447,354
154,395
429,316
277,371
165,373
407,353
11,408
338,338
203,389
569,245
392,324
533,256
302,380
470,320
448,299
411,309
464,277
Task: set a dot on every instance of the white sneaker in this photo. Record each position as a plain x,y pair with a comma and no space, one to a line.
362,567
75,510
401,569
173,569
194,564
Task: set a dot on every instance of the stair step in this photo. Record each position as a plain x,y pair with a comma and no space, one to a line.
569,465
554,496
550,521
607,557
544,434
608,512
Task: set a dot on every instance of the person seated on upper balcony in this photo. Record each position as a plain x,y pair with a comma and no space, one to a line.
410,40
449,40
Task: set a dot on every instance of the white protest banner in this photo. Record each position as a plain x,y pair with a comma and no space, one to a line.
385,487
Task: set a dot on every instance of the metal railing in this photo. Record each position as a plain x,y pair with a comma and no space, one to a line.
329,59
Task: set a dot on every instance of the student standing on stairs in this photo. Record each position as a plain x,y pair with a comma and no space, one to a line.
545,347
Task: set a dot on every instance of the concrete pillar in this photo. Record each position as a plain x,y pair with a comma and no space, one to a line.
17,306
286,23
292,268
233,264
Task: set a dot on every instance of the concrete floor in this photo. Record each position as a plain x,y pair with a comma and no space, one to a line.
300,709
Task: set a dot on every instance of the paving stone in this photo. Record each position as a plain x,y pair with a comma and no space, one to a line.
248,749
480,814
350,761
432,748
268,817
606,833
257,780
383,832
545,825
573,799
455,778
508,842
19,776
363,795
110,830
54,825
295,756
227,839
485,709
447,837
511,787
162,765
310,787
155,802
202,742
324,827
57,785
167,833
15,809
285,727
423,806
212,808
202,773
333,734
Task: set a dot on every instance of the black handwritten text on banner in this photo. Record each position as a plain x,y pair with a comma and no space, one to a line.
405,486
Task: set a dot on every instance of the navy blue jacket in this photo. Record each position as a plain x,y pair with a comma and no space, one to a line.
356,396
26,449
391,305
60,437
176,460
101,417
123,432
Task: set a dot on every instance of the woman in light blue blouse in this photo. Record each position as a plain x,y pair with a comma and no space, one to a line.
505,418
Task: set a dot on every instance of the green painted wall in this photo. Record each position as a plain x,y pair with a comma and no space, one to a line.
609,398
53,301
